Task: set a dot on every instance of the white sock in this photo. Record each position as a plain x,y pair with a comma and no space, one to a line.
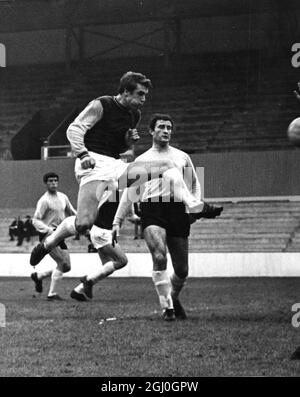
79,289
177,284
102,272
64,230
162,285
43,275
57,275
181,192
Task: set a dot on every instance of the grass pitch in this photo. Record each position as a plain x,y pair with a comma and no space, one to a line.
235,327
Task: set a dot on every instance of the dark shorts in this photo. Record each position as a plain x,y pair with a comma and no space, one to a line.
170,216
62,244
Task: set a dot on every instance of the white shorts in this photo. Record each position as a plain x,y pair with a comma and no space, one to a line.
100,237
106,169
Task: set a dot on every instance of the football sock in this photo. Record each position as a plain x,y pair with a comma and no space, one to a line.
101,273
162,285
42,275
64,230
181,192
57,275
177,284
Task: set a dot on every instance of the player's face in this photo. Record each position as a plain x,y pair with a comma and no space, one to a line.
162,131
52,184
137,98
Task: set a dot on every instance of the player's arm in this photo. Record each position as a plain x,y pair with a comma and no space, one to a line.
38,217
209,211
132,135
195,184
77,130
124,208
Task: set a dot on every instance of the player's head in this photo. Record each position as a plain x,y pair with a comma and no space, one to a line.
51,180
134,88
161,127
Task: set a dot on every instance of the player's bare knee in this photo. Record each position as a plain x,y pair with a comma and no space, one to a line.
83,225
121,262
65,267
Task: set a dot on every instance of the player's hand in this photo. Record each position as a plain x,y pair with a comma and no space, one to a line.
132,136
297,93
115,234
87,162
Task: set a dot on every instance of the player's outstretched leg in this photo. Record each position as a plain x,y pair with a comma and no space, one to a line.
170,175
112,259
64,230
88,200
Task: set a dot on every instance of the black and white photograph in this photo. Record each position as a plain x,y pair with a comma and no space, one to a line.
150,191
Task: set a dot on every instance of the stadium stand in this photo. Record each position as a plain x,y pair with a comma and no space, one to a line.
219,102
245,226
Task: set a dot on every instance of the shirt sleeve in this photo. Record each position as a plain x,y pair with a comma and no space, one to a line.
38,216
195,184
129,196
84,122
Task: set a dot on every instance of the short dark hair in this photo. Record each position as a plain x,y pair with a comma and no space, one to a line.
130,80
50,175
159,116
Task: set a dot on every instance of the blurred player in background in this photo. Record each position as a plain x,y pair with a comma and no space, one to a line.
165,221
52,208
103,130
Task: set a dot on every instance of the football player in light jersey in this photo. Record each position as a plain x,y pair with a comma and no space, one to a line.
103,130
165,221
51,209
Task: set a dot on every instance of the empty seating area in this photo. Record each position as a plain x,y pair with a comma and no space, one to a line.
245,226
219,102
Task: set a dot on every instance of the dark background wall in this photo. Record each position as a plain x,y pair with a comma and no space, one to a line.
207,34
238,174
